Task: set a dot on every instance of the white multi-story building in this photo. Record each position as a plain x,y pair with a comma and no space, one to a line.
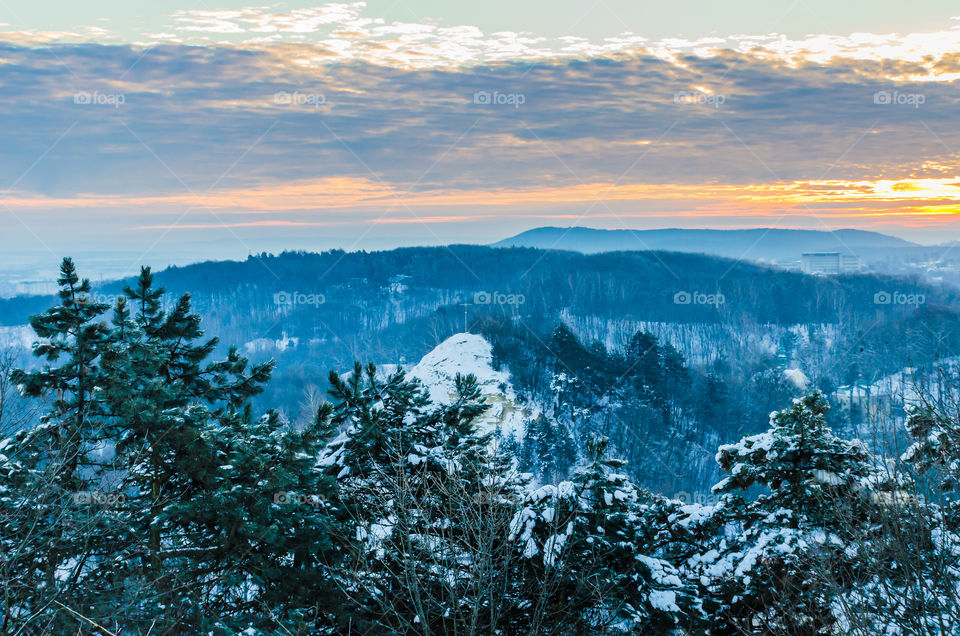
36,288
829,263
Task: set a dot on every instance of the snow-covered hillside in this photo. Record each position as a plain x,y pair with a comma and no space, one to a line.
467,353
17,337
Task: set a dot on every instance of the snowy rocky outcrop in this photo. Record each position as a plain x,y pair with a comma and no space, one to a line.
467,353
797,378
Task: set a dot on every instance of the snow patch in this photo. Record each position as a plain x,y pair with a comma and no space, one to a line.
19,336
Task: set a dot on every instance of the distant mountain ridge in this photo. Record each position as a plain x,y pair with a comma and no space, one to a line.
762,244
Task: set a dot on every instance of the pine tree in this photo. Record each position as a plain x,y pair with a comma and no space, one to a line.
935,452
197,528
547,449
810,520
225,499
50,531
675,372
923,530
644,364
570,356
586,566
423,492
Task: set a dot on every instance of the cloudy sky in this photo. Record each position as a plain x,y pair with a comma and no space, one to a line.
214,129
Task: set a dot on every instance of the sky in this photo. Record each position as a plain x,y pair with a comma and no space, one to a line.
175,131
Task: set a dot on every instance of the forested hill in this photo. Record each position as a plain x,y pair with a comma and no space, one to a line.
350,297
639,285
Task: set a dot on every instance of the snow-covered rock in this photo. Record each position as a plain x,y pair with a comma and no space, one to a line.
467,353
797,378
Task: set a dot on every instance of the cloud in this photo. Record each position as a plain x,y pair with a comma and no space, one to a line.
335,119
342,28
192,111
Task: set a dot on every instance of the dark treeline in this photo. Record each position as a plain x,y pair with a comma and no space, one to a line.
400,303
624,285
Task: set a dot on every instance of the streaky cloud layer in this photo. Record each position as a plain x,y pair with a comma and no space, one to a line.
326,118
